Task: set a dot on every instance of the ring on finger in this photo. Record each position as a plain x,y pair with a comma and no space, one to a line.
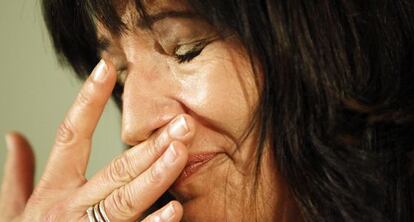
97,213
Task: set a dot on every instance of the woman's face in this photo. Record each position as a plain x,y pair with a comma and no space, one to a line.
183,66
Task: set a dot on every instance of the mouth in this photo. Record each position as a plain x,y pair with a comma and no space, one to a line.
194,163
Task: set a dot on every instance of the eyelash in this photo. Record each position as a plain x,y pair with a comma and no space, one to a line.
190,54
122,74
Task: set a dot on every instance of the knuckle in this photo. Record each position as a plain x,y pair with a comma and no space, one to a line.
50,215
59,212
155,175
121,205
65,132
120,170
37,196
154,146
85,97
49,218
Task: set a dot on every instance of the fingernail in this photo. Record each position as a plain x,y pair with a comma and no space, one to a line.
156,219
9,141
100,72
178,128
168,213
170,154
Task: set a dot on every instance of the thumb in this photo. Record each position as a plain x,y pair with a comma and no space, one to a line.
17,185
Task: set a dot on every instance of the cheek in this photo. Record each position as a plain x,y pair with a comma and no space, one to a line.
221,90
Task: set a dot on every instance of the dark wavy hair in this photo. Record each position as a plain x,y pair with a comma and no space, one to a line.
337,104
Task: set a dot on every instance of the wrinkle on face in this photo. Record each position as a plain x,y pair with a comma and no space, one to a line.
157,6
218,88
211,97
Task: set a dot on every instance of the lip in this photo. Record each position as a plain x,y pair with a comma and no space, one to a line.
194,163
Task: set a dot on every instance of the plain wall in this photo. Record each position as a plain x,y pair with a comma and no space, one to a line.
35,92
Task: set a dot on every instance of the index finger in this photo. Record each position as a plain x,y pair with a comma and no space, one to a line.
69,156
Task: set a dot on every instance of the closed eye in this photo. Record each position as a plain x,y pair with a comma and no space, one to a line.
187,52
122,75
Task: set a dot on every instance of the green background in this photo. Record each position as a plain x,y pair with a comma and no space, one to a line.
35,91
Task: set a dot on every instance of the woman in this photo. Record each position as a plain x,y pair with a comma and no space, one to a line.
238,110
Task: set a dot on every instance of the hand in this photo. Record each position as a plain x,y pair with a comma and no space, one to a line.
128,186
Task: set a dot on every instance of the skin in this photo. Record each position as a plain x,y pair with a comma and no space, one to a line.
215,95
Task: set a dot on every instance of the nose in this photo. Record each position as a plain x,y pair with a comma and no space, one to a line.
148,103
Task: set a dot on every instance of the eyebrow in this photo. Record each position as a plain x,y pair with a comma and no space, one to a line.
151,19
147,23
102,44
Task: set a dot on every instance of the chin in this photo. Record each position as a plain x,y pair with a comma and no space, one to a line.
206,209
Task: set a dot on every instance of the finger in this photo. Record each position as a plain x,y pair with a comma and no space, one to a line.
17,184
130,201
69,156
172,212
135,161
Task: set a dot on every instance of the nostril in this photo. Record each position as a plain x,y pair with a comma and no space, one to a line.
179,127
132,137
139,122
126,139
135,130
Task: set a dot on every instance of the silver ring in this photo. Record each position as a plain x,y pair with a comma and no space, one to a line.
91,217
102,210
97,213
